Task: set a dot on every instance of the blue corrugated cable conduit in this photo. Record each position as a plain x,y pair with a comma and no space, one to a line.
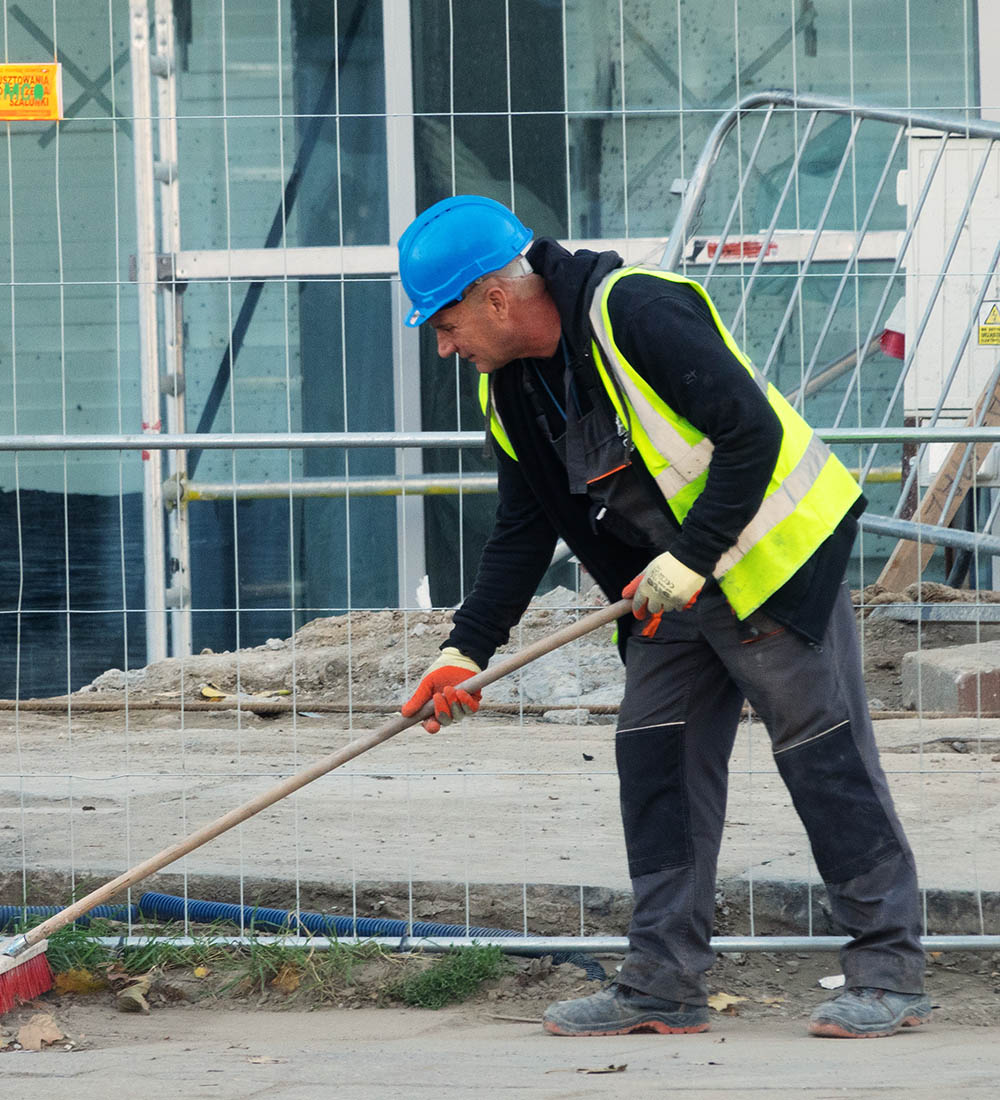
12,916
168,907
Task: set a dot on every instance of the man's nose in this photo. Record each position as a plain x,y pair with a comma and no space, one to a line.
446,346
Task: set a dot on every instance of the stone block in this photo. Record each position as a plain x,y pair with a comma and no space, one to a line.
962,679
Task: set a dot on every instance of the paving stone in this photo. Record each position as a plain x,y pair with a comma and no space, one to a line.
963,679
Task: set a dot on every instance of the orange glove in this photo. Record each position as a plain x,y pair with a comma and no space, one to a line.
666,584
451,703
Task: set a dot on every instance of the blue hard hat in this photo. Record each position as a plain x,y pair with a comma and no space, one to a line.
450,245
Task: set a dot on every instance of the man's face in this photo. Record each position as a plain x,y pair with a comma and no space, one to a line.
474,330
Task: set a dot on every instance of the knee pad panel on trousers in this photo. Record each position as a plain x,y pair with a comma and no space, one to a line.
848,828
653,797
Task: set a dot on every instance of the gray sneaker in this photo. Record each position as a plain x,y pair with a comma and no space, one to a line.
620,1010
869,1014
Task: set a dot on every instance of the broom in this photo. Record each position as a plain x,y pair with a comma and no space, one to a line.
24,969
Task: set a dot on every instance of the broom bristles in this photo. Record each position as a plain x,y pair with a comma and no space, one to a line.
24,980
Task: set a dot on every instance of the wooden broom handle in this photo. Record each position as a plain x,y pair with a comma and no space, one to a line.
288,786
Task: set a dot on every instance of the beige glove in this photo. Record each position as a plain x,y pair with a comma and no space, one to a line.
439,683
664,585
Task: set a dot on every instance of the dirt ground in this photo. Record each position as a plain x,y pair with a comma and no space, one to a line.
372,658
751,987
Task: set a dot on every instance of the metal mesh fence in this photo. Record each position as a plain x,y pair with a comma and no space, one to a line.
240,497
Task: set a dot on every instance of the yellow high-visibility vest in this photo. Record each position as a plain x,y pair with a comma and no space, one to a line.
810,489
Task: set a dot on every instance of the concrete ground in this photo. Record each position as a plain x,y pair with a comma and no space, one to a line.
485,801
374,1054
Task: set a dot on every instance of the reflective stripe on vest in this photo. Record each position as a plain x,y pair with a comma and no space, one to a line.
810,490
496,425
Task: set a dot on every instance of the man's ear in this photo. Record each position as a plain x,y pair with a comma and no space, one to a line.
497,302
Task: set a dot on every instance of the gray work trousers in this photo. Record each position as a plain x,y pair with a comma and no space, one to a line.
684,690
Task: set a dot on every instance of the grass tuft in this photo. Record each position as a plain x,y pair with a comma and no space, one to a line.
453,977
320,977
75,948
342,974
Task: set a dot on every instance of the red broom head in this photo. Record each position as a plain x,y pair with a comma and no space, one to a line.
24,980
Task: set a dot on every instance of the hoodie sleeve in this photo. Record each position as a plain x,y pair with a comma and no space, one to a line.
667,333
512,564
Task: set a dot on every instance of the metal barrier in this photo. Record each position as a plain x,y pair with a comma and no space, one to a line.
918,281
493,805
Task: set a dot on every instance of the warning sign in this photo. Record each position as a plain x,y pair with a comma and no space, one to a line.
989,323
31,92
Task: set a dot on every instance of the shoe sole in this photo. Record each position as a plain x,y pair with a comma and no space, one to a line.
659,1027
827,1029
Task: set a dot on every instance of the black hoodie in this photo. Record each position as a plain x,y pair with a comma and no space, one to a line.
666,331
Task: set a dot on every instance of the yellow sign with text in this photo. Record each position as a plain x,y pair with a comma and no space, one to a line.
989,323
31,92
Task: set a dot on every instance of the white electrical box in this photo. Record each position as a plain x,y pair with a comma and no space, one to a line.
955,308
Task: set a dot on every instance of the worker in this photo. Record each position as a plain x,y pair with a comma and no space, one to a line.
627,421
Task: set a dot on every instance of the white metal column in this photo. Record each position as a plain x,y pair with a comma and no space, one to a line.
178,593
405,341
145,211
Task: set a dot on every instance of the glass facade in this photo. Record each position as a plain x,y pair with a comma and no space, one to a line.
70,524
288,136
585,117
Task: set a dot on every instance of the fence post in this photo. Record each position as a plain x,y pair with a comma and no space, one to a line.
145,212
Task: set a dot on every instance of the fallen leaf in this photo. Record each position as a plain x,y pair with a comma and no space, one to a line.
39,1031
133,997
78,981
132,1000
604,1069
288,979
210,691
201,972
724,1002
263,1060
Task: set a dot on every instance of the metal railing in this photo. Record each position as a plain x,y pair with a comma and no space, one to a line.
177,492
942,257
